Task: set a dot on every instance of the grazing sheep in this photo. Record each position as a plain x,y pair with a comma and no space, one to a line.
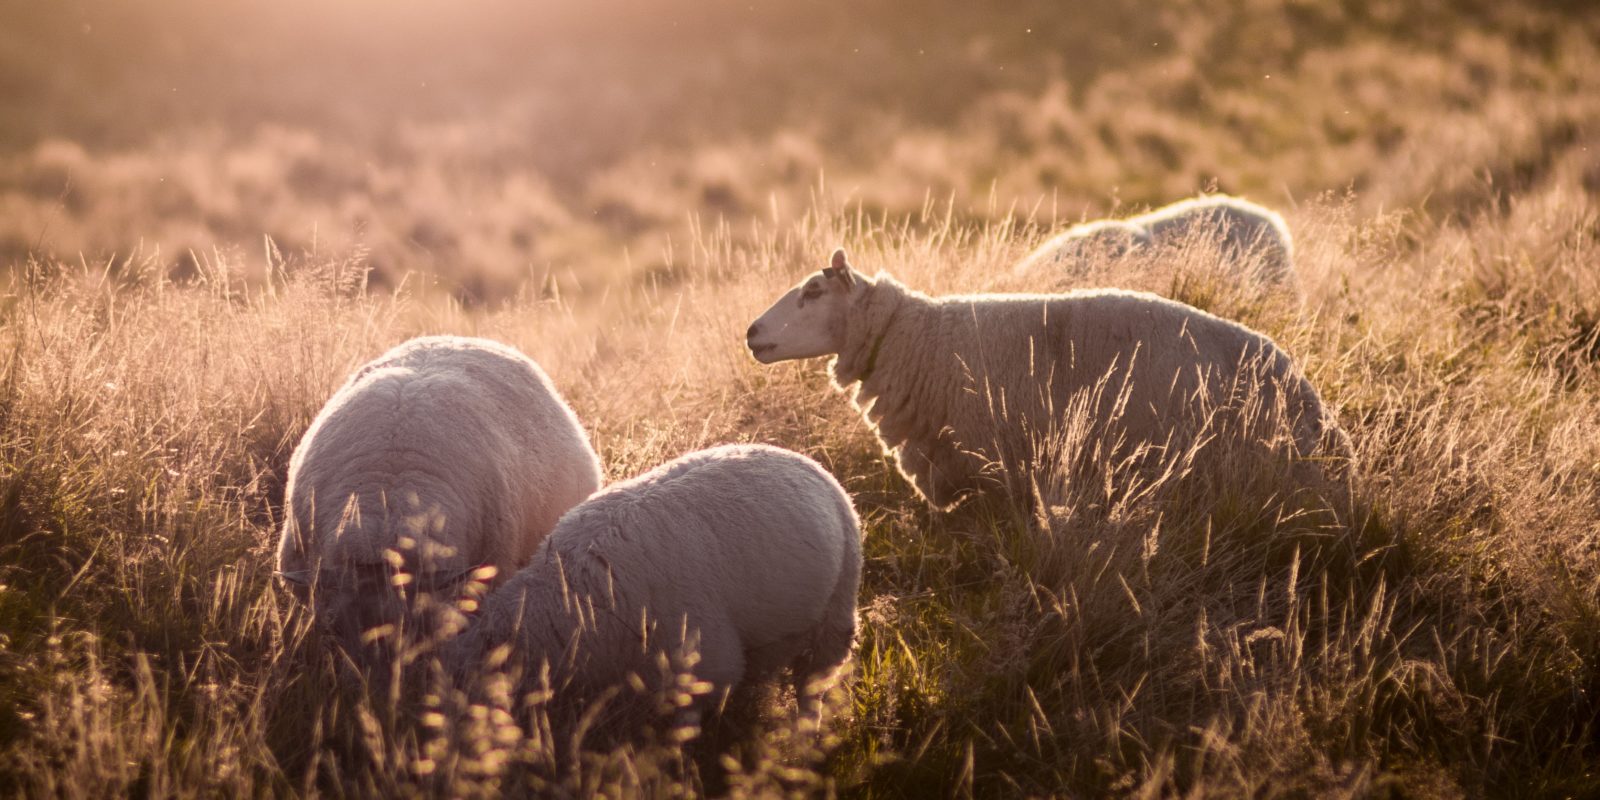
1241,231
1108,239
443,455
748,554
964,390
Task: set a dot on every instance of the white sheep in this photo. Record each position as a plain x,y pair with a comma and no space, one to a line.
748,555
1241,232
443,455
964,390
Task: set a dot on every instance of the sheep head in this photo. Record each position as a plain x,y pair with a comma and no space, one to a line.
808,321
376,612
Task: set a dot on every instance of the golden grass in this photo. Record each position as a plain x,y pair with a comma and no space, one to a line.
1202,637
1206,637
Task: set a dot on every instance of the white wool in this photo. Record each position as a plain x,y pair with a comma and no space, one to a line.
452,451
965,391
748,554
1243,233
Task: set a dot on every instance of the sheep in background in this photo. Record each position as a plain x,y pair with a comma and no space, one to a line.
965,390
442,456
1102,239
1242,233
747,554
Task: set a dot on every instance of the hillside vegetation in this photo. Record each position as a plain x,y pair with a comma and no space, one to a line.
620,194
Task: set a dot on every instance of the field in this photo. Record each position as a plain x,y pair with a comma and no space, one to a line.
210,213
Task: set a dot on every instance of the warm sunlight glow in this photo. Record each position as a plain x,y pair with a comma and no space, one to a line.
846,398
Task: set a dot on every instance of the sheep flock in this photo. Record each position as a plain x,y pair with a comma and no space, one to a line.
446,503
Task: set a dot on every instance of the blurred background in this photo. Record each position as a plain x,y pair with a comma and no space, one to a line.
490,146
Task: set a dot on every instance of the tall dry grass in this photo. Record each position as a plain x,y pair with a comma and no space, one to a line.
193,272
1203,635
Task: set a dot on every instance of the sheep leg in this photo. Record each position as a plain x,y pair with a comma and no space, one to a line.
813,668
933,470
943,472
721,664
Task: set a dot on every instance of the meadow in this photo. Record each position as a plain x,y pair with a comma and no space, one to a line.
210,214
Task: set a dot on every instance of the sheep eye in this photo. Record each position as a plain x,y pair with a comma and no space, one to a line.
812,291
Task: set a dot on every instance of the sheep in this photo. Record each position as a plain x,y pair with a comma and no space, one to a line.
1108,239
963,390
1242,232
748,555
446,458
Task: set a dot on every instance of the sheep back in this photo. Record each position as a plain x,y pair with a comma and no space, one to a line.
965,390
750,552
1242,233
1105,239
462,445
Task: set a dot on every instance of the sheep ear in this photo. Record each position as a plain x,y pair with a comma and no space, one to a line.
839,268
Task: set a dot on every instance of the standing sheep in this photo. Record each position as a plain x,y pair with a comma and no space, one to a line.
443,455
966,390
1243,234
748,554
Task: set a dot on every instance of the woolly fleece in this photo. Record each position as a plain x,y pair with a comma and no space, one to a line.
750,550
1242,232
960,389
460,448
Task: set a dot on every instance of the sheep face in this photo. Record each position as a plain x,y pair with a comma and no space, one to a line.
808,321
364,611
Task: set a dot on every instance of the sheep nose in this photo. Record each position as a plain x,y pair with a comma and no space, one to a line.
753,331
